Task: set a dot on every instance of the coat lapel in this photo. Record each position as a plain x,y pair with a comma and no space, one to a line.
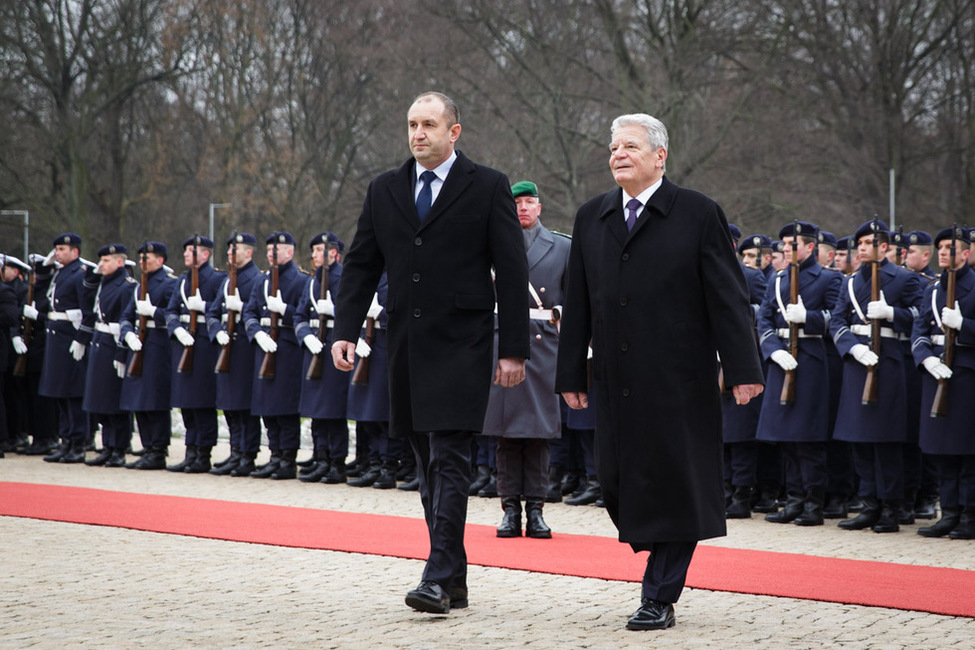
401,187
611,213
540,247
458,180
659,205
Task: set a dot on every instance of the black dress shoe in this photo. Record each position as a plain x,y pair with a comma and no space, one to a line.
410,486
429,597
652,615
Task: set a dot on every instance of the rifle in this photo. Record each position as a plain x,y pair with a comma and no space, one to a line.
899,256
361,375
315,366
135,363
223,361
870,386
939,407
186,361
26,330
788,395
267,366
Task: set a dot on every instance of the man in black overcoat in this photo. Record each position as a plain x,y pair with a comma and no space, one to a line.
655,324
439,225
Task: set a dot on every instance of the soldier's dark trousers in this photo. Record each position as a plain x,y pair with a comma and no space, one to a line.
805,466
332,435
742,463
41,412
956,480
245,431
566,452
487,448
201,426
587,438
381,446
116,430
839,466
666,569
523,468
880,467
155,428
72,419
283,431
443,467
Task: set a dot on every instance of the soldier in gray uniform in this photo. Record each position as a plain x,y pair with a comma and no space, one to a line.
526,417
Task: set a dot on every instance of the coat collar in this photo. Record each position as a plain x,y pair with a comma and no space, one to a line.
403,182
541,246
660,204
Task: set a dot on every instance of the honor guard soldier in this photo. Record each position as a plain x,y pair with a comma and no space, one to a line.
10,314
740,421
235,372
194,354
324,393
106,365
826,250
875,310
148,380
779,261
917,258
269,321
946,422
792,322
841,260
67,338
525,417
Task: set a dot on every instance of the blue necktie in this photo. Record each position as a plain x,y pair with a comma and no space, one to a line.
425,198
631,207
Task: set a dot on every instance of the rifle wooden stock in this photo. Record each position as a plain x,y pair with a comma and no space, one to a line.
361,375
871,387
135,363
26,332
939,407
223,361
268,365
186,361
317,360
788,395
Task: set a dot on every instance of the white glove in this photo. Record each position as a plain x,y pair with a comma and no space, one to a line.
183,336
77,350
879,309
864,354
19,346
233,302
362,348
222,338
49,260
937,369
34,258
119,369
952,317
374,308
325,307
145,308
196,303
265,342
132,340
275,304
785,360
30,311
312,343
795,313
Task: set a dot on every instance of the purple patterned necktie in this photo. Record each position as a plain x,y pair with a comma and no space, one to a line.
631,207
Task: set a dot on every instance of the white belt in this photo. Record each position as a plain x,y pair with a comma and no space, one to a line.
200,318
314,322
375,324
865,330
541,314
266,322
783,333
57,315
938,339
107,328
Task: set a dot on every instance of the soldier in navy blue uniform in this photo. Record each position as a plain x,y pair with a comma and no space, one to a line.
147,395
63,374
234,387
948,438
106,366
917,257
739,421
826,250
10,312
195,389
276,399
323,399
879,430
800,428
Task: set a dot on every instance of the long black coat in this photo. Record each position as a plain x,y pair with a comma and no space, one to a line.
657,302
441,298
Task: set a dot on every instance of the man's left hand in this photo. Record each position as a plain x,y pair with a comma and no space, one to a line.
510,372
745,392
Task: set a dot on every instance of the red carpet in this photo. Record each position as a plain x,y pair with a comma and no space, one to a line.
880,584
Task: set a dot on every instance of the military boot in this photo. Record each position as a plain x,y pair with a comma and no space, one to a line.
265,471
368,478
905,513
835,507
387,476
117,459
154,458
571,481
511,522
227,465
336,473
888,517
287,468
75,453
535,526
490,490
812,509
101,458
480,480
869,515
55,456
191,453
966,525
741,503
319,470
200,464
794,505
246,465
950,517
926,505
765,503
588,496
554,493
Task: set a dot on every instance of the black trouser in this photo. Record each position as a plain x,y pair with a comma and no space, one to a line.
73,423
839,467
956,480
742,463
245,431
116,430
666,570
805,466
283,432
201,426
332,435
523,468
443,467
880,466
155,428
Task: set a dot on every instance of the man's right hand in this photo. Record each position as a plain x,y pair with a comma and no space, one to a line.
132,340
576,401
343,355
30,311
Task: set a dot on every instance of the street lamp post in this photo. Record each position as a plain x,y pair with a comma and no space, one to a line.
26,215
214,206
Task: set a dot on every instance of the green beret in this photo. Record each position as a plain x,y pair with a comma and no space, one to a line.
524,188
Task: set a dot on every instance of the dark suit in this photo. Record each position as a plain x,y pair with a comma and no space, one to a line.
657,303
441,325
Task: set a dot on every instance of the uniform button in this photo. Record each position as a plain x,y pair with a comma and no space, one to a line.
626,392
416,277
624,347
626,256
623,301
542,290
538,337
416,313
418,241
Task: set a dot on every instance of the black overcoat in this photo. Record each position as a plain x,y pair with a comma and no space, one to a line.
441,297
657,303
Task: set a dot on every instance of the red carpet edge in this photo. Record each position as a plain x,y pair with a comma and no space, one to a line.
879,584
